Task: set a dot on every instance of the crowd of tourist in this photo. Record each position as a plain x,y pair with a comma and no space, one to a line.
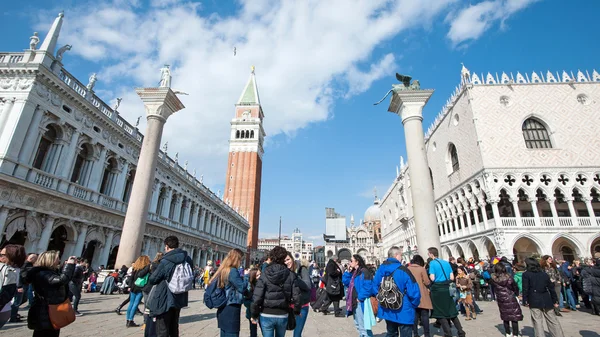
278,294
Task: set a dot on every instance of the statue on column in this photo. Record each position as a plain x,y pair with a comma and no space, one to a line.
92,82
165,77
61,51
33,41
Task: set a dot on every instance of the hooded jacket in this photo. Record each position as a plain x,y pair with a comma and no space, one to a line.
161,299
593,274
275,290
49,287
406,284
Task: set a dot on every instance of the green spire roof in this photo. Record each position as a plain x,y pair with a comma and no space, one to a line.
250,94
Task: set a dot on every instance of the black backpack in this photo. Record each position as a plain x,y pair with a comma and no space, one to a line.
389,295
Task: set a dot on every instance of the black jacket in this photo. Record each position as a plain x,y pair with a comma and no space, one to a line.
134,276
24,270
275,290
593,274
333,276
77,278
49,287
538,290
161,300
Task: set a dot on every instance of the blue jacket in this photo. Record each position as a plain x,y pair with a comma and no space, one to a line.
407,285
363,286
235,287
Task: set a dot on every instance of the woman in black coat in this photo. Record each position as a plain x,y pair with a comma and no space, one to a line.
540,296
49,287
507,290
333,288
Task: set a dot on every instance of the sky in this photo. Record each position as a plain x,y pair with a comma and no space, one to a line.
320,66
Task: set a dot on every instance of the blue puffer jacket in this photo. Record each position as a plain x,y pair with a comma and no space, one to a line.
407,285
363,285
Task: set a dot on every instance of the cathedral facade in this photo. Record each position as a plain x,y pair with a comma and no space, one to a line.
67,164
515,169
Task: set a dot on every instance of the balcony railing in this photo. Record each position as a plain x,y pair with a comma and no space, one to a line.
11,57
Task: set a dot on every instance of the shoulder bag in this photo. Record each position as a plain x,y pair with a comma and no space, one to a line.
61,314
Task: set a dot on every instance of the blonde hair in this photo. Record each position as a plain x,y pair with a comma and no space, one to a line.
232,260
158,257
209,263
304,262
47,259
141,262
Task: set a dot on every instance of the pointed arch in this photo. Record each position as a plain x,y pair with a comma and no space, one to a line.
536,134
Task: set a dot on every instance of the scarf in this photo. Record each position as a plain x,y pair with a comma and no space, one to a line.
350,290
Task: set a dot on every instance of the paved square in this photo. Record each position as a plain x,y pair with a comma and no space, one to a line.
100,320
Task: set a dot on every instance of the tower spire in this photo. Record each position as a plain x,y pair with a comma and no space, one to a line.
249,95
51,39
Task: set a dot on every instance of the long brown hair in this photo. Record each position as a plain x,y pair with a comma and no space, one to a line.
232,260
544,262
253,277
293,269
141,262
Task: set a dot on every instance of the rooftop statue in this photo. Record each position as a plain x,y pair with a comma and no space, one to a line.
165,77
118,104
92,82
406,85
33,41
61,51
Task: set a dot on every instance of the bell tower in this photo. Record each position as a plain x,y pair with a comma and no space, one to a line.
244,168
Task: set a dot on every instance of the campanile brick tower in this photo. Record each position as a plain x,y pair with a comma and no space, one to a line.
244,170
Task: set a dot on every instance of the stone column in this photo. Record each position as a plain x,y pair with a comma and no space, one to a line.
590,209
515,204
27,150
202,219
484,215
66,162
194,221
46,233
155,194
166,207
160,103
536,212
468,216
496,212
186,213
97,171
408,104
552,205
6,109
476,217
119,187
572,211
83,229
107,248
3,216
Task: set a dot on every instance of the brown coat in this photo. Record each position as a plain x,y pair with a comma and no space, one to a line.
422,278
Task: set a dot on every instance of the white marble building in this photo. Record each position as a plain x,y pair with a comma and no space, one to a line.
514,161
67,164
295,244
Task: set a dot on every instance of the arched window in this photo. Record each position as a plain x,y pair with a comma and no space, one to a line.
242,134
247,134
172,206
83,165
237,134
453,158
42,156
109,177
162,196
536,135
128,185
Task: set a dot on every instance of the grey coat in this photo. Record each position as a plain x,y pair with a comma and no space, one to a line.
304,283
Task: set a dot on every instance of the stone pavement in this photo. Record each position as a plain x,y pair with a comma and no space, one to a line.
198,321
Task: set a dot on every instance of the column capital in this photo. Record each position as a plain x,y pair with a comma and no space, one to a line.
160,103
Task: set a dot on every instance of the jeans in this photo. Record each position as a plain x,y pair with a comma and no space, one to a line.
300,321
134,301
76,292
359,321
273,326
14,308
167,324
406,330
570,298
424,315
30,296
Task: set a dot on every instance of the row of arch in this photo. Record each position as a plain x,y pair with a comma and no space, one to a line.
242,134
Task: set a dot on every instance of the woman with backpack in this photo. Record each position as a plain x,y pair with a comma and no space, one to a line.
507,291
359,281
303,282
275,292
137,281
253,276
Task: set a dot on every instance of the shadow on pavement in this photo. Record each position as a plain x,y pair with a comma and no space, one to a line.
196,318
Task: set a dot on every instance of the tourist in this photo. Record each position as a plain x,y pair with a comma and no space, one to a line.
125,285
398,320
150,322
208,273
333,287
75,285
442,278
92,282
265,263
577,285
228,277
275,291
591,279
138,280
567,281
12,258
166,305
27,289
303,282
417,269
549,266
253,275
108,285
465,288
49,287
18,296
359,281
506,294
539,294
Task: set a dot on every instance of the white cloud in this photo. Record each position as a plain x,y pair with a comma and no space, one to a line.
471,22
301,50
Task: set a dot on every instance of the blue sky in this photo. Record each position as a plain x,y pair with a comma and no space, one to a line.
320,66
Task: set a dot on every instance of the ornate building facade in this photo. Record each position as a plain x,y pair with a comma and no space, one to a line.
514,161
295,244
67,164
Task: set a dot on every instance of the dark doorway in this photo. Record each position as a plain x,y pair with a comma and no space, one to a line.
112,258
58,239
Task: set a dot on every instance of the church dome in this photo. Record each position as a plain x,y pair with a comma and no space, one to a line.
373,213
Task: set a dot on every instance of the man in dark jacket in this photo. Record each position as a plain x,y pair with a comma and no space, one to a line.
163,304
333,287
27,288
76,284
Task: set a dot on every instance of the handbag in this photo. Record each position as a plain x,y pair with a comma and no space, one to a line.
61,314
374,305
141,281
291,322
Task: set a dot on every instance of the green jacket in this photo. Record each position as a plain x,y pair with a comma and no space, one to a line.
519,280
